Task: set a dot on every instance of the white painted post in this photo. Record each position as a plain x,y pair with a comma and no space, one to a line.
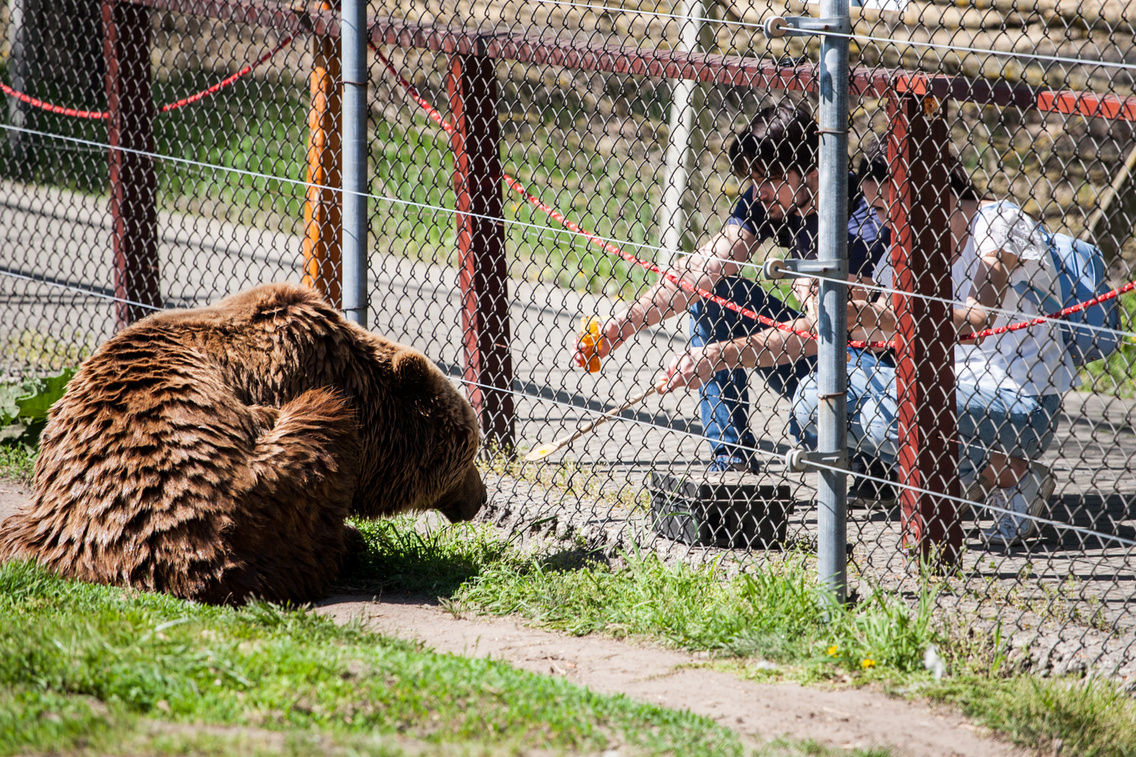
671,218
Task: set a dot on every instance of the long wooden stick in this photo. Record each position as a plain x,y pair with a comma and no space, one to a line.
1122,177
545,450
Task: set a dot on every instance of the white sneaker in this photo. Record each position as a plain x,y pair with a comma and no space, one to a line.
1024,502
973,491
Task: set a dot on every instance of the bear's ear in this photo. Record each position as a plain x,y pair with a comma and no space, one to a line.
279,301
412,371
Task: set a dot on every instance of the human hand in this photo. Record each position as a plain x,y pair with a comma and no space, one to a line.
591,345
812,303
806,291
691,369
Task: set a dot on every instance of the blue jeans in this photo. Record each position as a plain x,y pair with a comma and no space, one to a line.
724,399
989,420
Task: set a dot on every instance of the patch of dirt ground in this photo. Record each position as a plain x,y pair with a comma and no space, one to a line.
12,496
843,717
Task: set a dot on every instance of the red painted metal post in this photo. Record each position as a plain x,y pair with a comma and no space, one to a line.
133,184
481,246
928,456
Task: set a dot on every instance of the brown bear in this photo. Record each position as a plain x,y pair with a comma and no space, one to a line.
213,454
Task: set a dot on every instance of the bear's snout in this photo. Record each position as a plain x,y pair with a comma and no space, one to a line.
466,499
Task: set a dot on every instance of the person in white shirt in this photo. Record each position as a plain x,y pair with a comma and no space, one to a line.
1008,386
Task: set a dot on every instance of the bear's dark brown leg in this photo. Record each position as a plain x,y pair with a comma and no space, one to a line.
288,535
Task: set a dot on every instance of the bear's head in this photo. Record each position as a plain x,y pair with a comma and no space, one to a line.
454,486
465,499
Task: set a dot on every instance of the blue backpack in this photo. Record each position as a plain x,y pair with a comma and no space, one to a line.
1092,333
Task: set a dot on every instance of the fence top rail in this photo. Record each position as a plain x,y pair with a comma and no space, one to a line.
707,68
291,19
737,71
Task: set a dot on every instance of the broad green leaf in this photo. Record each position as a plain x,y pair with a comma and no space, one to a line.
46,392
31,399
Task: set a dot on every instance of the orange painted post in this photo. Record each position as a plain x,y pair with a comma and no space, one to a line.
925,336
323,206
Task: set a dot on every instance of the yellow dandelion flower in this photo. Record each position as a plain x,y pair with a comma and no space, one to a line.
833,651
867,662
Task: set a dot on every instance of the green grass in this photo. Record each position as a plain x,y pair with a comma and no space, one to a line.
773,612
583,187
435,562
1117,374
1086,717
249,125
119,672
99,668
17,461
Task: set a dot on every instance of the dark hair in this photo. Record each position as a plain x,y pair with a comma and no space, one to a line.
874,161
780,138
961,185
874,166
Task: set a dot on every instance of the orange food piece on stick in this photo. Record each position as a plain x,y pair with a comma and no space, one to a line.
589,342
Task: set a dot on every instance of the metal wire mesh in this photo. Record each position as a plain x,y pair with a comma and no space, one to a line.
589,147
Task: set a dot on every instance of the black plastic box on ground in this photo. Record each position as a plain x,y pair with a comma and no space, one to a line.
729,510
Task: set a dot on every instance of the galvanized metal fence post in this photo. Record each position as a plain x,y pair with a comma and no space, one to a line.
832,329
481,246
921,257
353,47
133,181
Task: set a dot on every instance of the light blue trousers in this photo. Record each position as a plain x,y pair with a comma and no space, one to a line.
989,420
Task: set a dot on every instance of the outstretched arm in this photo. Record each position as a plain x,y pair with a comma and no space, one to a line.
718,258
767,348
867,321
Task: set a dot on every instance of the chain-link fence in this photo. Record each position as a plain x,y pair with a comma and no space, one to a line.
537,165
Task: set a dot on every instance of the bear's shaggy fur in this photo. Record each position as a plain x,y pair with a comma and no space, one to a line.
213,454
